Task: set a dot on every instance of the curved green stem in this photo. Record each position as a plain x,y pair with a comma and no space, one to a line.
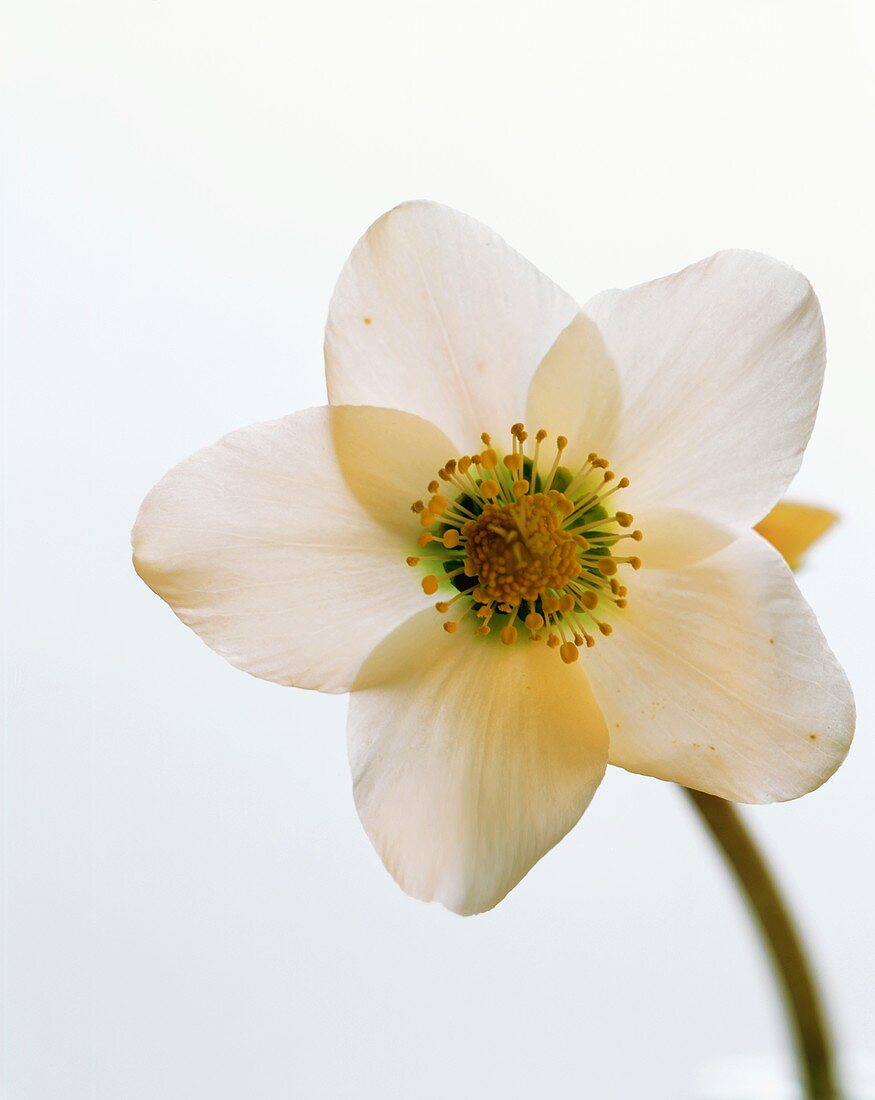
805,1014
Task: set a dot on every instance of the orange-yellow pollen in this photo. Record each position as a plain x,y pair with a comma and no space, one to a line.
519,550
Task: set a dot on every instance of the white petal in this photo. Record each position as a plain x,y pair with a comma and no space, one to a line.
721,367
258,544
470,759
718,677
435,314
674,538
576,392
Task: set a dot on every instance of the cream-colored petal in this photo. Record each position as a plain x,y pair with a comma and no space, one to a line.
433,313
388,459
259,546
673,538
718,677
721,367
576,393
470,759
792,527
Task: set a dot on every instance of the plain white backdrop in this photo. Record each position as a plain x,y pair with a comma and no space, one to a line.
191,908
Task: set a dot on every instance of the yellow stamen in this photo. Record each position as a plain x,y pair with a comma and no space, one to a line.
526,545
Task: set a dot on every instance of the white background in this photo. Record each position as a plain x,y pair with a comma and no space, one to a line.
191,907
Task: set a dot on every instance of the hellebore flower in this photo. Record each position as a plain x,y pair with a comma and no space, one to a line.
447,538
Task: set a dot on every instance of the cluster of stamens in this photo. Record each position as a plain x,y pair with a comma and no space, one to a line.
534,549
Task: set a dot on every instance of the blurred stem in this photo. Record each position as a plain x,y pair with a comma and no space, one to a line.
804,1011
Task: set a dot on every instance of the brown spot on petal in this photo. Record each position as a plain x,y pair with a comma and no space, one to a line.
367,320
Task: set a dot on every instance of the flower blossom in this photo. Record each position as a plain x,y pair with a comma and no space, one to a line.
520,535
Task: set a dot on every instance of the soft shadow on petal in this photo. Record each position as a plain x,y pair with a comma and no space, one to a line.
792,528
576,393
719,678
259,546
674,538
721,367
388,458
470,759
435,314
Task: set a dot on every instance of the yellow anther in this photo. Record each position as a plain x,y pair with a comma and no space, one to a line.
490,489
589,600
412,561
438,504
451,538
607,566
635,563
482,629
514,462
464,464
433,486
637,535
540,435
450,627
509,634
550,604
417,506
485,438
606,629
568,652
426,518
520,488
425,538
561,442
534,621
442,606
553,641
566,602
489,459
429,585
624,519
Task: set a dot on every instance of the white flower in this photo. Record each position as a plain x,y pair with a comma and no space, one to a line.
285,545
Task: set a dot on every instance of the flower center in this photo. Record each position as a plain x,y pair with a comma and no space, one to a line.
519,551
520,544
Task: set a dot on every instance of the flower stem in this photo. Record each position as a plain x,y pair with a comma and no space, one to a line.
804,1011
